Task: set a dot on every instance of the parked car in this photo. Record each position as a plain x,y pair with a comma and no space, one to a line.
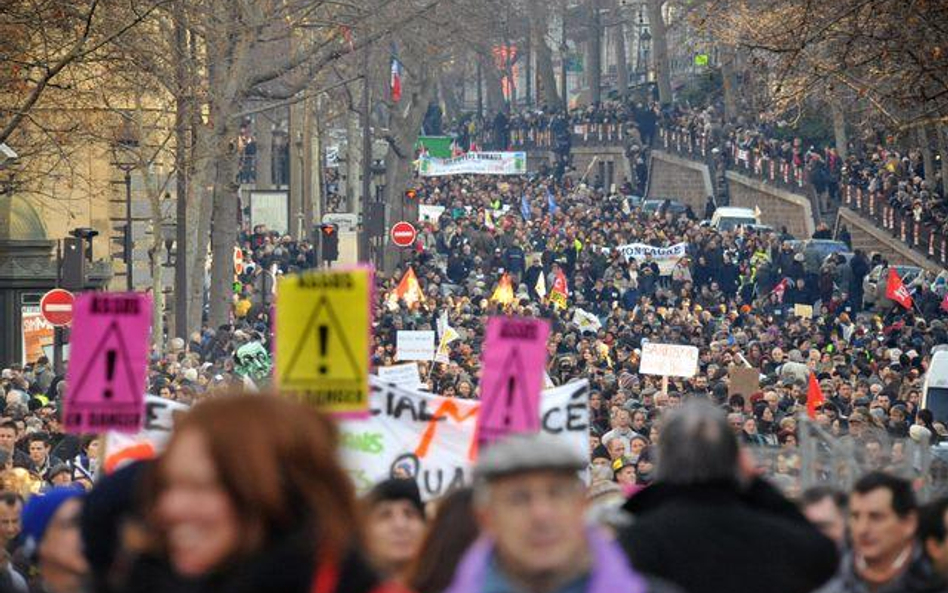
728,218
874,284
674,206
815,252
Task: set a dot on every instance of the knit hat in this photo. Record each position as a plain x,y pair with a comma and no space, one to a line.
111,501
397,489
39,511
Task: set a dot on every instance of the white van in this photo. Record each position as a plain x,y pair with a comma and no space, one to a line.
728,218
935,391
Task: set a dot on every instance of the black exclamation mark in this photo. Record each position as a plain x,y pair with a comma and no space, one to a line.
511,385
323,343
109,372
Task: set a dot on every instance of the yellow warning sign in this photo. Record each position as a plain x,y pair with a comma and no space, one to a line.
323,321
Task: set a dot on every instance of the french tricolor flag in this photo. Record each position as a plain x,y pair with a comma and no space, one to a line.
396,82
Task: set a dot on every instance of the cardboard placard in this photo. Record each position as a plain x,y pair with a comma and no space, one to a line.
415,345
106,377
743,381
404,375
669,360
323,322
514,360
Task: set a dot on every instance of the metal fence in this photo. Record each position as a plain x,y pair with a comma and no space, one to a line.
746,161
585,134
823,459
926,238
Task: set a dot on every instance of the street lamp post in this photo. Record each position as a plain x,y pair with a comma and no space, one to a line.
126,143
129,279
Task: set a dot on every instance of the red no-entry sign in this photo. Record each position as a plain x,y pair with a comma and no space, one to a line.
403,234
56,306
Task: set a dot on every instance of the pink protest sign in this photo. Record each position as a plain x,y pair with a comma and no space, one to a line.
106,376
514,359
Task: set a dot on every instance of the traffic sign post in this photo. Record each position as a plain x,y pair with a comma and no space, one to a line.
57,307
403,234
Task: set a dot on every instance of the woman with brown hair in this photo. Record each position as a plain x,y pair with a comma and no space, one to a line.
249,497
452,531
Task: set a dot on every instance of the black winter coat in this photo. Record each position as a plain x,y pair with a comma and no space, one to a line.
715,538
286,566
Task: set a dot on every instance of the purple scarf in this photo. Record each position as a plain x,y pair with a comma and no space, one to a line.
610,572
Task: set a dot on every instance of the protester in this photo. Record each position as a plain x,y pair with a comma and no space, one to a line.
826,508
240,506
707,504
452,530
395,525
885,556
529,502
932,532
51,528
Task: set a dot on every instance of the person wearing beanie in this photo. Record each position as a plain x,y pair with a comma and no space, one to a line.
395,525
623,469
51,529
112,517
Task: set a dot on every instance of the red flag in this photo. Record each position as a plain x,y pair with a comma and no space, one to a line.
895,290
814,397
560,291
408,290
396,81
781,288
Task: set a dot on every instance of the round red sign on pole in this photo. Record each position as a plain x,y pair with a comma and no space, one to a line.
403,234
56,306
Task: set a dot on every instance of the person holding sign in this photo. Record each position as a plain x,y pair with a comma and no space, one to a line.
249,497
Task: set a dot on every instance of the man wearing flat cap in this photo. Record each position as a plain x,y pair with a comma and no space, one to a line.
530,504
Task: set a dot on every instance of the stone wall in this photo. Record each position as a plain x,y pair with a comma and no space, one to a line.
778,208
607,162
871,239
679,179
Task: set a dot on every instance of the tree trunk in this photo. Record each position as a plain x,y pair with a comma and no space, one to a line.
732,89
660,51
839,128
353,160
224,228
263,132
564,58
495,90
546,77
622,62
926,147
198,246
155,259
452,103
199,227
404,128
297,141
594,63
183,151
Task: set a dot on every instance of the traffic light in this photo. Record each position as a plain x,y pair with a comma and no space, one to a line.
329,237
74,264
124,243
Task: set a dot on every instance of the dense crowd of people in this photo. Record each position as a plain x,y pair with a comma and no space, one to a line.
715,468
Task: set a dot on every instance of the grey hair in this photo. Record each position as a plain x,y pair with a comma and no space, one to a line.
696,446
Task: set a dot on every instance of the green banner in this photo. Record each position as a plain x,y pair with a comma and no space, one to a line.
437,146
701,59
